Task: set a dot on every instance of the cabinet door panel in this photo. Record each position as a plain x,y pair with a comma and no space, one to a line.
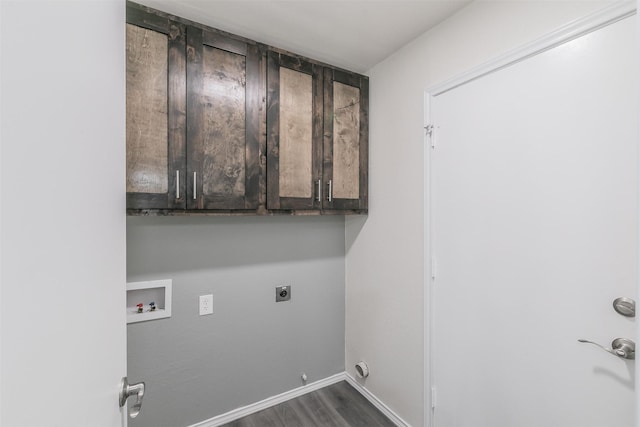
223,152
224,81
294,123
156,123
147,140
296,134
346,140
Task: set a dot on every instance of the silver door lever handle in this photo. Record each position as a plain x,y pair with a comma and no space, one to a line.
129,390
621,347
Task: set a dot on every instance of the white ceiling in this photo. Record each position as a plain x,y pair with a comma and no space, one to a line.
352,34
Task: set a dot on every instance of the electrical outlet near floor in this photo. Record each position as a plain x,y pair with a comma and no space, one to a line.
206,304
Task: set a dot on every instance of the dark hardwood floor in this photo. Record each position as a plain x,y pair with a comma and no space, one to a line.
338,405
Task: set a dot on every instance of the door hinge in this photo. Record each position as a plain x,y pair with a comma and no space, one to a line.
430,132
433,398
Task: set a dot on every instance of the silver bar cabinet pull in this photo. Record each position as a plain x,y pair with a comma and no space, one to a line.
319,197
177,184
330,196
195,185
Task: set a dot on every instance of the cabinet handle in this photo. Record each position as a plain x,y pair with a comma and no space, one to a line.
195,185
330,195
177,184
319,197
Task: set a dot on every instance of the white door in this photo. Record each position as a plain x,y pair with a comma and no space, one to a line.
62,208
534,231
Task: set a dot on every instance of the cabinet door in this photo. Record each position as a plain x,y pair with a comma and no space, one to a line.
156,123
346,140
223,121
294,133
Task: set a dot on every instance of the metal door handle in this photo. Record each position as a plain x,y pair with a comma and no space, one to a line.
625,306
330,195
319,198
621,347
129,390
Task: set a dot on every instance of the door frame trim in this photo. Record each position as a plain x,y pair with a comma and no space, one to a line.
573,30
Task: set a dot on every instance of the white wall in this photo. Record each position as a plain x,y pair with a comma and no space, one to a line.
385,251
63,221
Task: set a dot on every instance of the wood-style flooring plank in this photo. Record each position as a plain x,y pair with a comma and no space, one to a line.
337,405
322,414
266,418
354,408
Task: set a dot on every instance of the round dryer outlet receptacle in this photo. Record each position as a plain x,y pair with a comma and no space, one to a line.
362,370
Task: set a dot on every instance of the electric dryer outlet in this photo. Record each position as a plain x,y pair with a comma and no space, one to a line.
283,293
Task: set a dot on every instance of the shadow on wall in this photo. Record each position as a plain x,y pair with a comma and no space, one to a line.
171,244
353,227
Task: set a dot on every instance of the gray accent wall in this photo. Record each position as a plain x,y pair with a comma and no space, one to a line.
250,348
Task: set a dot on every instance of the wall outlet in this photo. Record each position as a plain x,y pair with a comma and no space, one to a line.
206,304
283,293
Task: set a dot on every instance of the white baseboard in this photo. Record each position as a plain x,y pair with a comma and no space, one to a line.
269,402
395,418
296,392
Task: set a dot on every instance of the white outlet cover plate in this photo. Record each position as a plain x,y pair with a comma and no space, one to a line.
206,304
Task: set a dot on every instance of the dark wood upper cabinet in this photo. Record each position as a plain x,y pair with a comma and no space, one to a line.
317,137
346,136
294,133
156,105
224,103
220,124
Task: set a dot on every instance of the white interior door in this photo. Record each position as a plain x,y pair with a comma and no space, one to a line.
62,211
534,231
